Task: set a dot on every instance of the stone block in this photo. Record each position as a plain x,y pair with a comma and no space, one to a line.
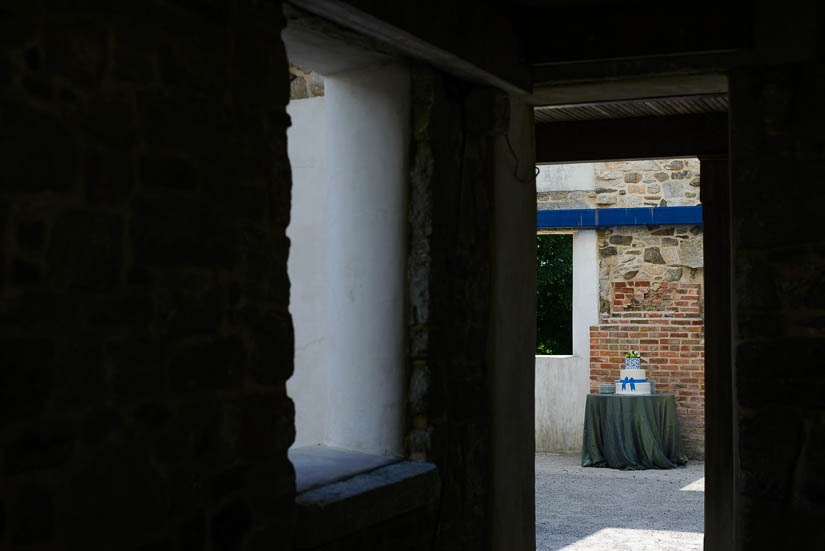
189,305
95,514
654,188
608,251
670,254
633,177
230,525
675,165
167,172
110,122
46,447
606,200
673,190
200,126
129,308
85,250
192,531
181,232
77,52
691,252
621,239
212,365
266,426
25,273
153,414
648,165
316,84
109,176
80,379
37,152
636,189
653,256
25,378
271,360
662,176
297,87
34,517
137,367
673,274
265,255
30,234
681,175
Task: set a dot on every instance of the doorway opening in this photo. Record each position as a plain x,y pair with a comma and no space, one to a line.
638,285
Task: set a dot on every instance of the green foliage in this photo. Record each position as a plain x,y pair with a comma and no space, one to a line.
554,304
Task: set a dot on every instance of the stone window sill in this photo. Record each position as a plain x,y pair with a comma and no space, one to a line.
341,492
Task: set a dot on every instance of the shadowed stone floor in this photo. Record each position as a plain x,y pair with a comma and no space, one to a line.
589,509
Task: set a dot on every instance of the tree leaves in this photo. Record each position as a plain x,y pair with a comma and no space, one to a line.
554,300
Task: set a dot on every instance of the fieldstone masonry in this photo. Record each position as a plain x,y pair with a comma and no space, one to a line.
651,283
144,333
304,83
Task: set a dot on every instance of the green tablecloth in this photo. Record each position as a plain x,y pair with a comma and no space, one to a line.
631,432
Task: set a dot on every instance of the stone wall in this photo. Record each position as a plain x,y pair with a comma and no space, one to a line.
651,183
304,83
651,278
144,332
449,274
778,303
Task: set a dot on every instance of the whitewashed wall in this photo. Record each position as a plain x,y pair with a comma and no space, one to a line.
349,152
563,382
307,266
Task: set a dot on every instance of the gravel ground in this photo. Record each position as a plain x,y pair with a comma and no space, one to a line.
589,509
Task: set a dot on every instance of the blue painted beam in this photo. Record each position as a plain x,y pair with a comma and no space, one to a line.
600,218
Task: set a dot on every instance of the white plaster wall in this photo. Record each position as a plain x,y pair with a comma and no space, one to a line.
563,382
307,267
566,177
367,137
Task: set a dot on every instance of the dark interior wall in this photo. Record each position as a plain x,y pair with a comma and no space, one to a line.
778,305
451,206
144,332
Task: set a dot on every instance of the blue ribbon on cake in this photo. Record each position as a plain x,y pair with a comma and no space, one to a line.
632,382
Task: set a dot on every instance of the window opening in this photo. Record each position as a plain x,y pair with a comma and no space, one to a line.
554,294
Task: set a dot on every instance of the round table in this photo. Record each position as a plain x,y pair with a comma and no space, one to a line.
631,432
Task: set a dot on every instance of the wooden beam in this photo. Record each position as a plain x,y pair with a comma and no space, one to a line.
638,138
600,218
458,44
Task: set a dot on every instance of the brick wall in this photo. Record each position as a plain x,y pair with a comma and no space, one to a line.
662,321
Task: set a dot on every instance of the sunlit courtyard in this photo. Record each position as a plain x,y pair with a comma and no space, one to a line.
580,509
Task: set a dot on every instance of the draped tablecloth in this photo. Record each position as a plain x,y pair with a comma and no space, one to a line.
631,432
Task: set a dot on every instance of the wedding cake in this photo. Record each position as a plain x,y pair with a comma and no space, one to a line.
632,379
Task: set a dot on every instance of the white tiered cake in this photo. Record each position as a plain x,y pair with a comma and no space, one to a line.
633,381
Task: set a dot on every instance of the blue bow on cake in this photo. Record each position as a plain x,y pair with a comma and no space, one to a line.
632,382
